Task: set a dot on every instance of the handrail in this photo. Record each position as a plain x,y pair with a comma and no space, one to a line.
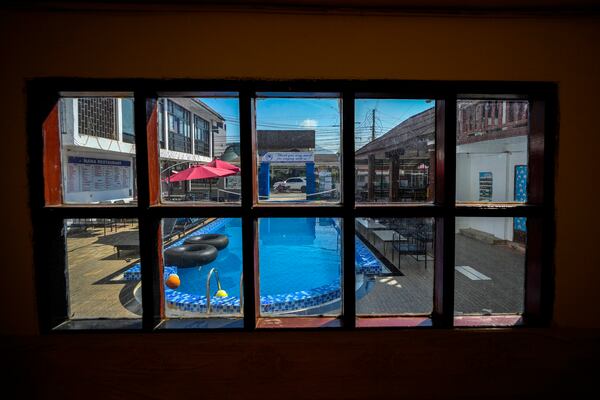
208,305
228,191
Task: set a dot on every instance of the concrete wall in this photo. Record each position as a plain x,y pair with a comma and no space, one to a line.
561,360
502,228
498,157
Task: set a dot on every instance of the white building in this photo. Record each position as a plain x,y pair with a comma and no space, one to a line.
491,162
98,142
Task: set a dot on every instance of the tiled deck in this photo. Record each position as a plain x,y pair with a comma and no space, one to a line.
412,292
96,286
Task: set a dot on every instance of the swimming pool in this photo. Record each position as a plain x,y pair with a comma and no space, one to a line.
299,267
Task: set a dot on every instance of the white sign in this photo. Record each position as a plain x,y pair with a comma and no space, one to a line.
85,174
288,157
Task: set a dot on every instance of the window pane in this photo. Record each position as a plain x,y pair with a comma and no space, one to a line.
491,150
103,268
395,150
193,132
490,265
194,250
98,150
394,266
300,266
298,144
127,120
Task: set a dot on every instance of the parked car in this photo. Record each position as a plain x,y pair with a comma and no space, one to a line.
295,183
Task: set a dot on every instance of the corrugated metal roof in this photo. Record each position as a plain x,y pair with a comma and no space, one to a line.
404,136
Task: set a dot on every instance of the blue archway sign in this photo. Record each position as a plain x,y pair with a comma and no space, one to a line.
281,157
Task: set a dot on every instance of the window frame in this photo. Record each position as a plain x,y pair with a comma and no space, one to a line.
201,136
48,212
185,122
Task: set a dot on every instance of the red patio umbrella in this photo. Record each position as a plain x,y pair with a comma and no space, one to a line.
201,172
216,163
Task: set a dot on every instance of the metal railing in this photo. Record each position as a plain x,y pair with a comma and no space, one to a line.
210,273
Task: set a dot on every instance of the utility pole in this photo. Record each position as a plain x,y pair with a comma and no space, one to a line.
373,127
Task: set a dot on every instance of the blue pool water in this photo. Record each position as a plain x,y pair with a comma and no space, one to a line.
228,264
295,255
299,267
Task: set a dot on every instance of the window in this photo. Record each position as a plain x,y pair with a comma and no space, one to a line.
97,167
97,117
190,177
201,137
161,124
127,120
298,138
179,128
351,204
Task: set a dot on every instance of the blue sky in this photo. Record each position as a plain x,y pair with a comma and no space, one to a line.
323,115
388,114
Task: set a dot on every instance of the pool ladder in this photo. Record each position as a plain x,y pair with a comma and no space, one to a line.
216,272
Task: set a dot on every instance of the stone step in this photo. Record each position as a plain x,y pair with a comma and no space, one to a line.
481,236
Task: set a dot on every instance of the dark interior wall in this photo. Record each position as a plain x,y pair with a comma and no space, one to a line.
197,44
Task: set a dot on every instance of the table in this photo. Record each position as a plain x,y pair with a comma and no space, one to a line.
366,226
386,236
370,224
127,241
389,235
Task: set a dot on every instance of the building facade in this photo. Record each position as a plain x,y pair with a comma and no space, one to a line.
491,161
406,153
98,142
98,157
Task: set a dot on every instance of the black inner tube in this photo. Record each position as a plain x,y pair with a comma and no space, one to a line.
190,255
213,239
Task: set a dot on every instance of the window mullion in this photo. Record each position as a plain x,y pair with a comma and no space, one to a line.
251,297
149,226
53,276
445,195
348,264
540,230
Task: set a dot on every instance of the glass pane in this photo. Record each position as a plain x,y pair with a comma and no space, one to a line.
491,150
298,144
394,262
196,249
199,149
300,266
395,150
98,150
490,265
103,268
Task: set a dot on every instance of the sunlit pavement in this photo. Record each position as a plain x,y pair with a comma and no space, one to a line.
96,285
497,286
